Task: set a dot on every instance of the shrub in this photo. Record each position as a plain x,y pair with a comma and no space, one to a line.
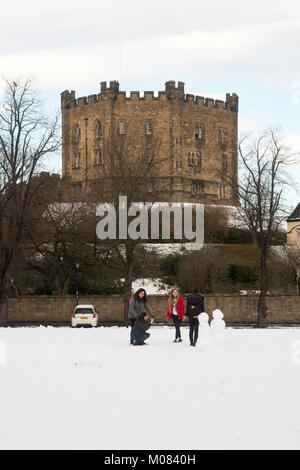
243,273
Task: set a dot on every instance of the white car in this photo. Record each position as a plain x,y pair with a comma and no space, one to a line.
85,315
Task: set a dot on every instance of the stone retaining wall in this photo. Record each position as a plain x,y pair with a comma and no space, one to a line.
237,309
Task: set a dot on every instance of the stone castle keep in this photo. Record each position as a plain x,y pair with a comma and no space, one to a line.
197,138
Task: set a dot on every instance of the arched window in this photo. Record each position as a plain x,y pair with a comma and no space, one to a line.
76,134
98,157
199,132
224,162
222,135
148,128
98,130
76,160
122,128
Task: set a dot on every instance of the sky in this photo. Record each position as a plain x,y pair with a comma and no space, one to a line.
250,48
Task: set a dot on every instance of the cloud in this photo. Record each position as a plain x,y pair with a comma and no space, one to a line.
179,55
57,24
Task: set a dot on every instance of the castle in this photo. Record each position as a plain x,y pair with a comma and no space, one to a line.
198,136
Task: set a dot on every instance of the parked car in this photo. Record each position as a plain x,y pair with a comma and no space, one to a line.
85,315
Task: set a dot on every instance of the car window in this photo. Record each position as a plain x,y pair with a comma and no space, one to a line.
84,311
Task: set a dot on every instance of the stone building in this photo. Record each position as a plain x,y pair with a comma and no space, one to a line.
293,228
197,136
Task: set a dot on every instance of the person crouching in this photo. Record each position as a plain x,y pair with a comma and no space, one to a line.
138,333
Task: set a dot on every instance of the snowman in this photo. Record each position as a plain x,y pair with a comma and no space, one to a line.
204,332
217,327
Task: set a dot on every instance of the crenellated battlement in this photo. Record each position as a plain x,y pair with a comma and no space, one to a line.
172,92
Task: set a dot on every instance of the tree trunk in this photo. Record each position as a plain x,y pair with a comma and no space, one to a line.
128,288
262,300
65,289
3,303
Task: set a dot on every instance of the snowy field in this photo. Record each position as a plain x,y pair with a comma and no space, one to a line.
88,388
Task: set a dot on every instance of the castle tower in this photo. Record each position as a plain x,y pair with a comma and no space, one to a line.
198,136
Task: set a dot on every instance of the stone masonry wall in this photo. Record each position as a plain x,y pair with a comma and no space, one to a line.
174,118
237,309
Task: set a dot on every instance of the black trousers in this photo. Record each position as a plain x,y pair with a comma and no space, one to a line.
132,323
177,323
194,329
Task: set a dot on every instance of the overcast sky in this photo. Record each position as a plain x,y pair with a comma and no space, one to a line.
251,48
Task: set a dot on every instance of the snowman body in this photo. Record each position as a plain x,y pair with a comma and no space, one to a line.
204,341
218,327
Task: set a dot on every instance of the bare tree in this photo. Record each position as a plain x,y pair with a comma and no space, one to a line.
204,268
263,164
26,137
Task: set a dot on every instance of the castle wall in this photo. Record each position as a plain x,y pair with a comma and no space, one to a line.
174,118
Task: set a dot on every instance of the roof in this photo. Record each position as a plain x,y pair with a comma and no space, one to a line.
295,215
84,306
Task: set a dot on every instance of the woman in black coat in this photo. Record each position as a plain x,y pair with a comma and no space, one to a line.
194,306
139,334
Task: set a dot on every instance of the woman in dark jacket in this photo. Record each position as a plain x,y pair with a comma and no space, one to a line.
139,334
137,305
194,306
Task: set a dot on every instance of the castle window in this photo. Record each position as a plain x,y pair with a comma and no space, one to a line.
148,155
98,157
148,128
222,191
122,128
199,132
76,160
199,160
224,162
76,187
98,130
222,136
195,159
150,187
76,134
197,189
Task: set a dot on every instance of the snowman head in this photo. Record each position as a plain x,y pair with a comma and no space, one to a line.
218,314
203,318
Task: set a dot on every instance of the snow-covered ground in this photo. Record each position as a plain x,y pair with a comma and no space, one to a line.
63,388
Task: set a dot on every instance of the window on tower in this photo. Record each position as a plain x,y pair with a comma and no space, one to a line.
122,128
195,160
199,132
98,157
76,160
148,128
98,130
224,162
222,135
148,155
76,134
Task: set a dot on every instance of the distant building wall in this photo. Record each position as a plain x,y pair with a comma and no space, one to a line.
237,309
293,238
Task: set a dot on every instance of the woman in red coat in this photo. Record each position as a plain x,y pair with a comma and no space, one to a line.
176,311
